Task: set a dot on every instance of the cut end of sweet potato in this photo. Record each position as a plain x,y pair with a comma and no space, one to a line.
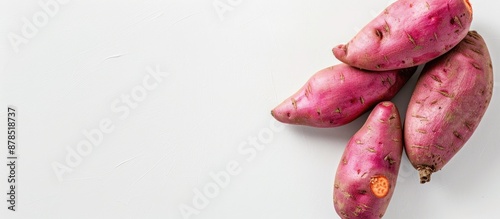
425,173
380,186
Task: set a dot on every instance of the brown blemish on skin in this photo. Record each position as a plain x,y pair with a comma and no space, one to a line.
347,194
379,34
389,159
436,159
421,131
468,41
436,78
344,161
294,103
476,66
428,6
468,125
438,147
342,77
411,39
422,118
346,48
371,150
421,101
419,147
457,21
445,93
358,211
449,117
474,35
439,159
362,100
308,90
458,135
386,27
477,51
359,142
338,110
362,191
388,81
343,214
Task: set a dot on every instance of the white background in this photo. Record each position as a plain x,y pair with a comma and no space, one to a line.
224,73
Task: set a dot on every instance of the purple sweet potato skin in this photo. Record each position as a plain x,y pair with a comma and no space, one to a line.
339,94
375,150
448,103
408,33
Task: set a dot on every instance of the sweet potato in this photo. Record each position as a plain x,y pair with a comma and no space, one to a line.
449,100
408,33
338,95
366,176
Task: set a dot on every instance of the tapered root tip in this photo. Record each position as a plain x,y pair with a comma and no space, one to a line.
425,174
278,115
340,51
